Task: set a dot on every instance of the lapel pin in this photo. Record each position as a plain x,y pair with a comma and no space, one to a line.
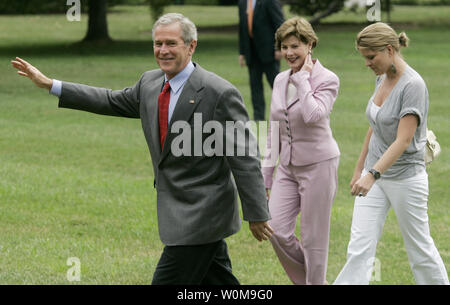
191,102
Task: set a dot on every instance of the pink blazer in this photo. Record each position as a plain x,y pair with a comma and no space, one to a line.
305,135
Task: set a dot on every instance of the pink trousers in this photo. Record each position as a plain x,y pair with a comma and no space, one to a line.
308,191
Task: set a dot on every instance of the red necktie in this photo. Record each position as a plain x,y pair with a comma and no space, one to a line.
250,17
163,113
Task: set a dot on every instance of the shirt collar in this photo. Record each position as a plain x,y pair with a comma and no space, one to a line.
253,2
178,81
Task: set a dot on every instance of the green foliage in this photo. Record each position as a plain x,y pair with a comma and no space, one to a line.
312,7
325,7
32,6
421,2
46,6
206,2
228,2
200,2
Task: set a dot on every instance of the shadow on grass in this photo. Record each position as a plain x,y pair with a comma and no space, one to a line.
210,38
113,48
216,37
116,48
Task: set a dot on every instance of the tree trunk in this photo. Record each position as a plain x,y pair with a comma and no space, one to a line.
388,3
334,7
157,8
97,25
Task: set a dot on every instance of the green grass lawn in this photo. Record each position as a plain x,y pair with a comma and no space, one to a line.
74,184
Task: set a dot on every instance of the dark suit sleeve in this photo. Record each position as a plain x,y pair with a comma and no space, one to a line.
242,23
245,167
123,103
276,14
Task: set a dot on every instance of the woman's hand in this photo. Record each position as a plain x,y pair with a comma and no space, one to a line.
268,193
363,185
308,64
356,176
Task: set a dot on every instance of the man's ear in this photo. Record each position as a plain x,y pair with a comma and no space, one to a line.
192,46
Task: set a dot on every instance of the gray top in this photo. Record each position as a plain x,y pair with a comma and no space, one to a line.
409,96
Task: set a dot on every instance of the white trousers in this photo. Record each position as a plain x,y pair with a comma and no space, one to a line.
408,197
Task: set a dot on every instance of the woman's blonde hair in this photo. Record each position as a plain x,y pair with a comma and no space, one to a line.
298,27
379,35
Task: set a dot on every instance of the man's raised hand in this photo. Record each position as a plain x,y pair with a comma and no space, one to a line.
26,69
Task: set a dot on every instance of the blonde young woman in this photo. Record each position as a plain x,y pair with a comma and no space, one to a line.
390,171
306,178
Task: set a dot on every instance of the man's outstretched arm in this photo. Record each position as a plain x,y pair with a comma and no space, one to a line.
26,69
123,103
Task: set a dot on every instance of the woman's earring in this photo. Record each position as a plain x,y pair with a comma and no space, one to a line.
393,69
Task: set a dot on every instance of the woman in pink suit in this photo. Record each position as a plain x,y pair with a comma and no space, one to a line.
306,178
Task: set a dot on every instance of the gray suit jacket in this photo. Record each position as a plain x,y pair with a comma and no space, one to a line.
196,195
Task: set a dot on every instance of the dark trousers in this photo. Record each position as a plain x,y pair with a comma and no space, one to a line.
207,264
256,69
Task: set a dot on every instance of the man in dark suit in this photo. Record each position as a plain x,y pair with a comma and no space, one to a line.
196,193
258,22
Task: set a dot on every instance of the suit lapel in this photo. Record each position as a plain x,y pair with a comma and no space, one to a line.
256,11
316,72
187,102
152,109
291,102
284,85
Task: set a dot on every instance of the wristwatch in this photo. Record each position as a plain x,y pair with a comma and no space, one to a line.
376,174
